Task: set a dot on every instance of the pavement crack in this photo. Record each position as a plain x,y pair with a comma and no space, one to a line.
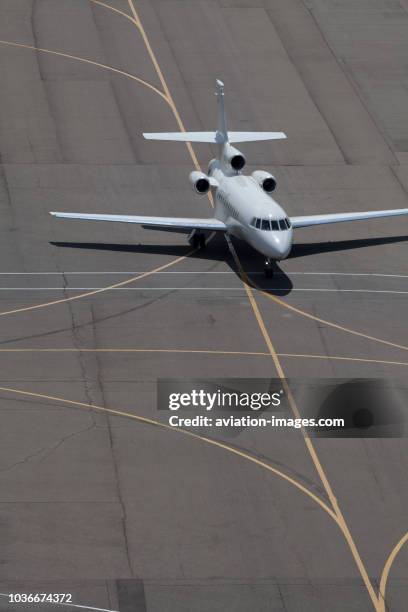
281,597
77,345
26,459
124,518
62,441
46,451
92,322
119,494
44,82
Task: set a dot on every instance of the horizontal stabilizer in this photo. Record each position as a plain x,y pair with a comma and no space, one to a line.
183,136
214,137
184,223
255,136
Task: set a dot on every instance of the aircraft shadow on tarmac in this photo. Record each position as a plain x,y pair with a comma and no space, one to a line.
251,261
217,250
314,248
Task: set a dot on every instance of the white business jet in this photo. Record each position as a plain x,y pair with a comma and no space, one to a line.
244,206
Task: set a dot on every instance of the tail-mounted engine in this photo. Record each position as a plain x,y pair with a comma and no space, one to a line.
233,157
265,180
200,182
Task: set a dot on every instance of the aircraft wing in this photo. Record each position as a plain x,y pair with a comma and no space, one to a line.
308,220
183,223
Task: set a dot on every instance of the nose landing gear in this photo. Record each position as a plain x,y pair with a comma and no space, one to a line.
268,268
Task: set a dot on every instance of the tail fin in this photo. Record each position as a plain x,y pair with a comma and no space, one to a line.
222,132
221,136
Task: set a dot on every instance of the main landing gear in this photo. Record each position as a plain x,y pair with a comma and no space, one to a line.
268,268
197,239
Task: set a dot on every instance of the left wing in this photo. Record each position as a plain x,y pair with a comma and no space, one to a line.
309,220
182,223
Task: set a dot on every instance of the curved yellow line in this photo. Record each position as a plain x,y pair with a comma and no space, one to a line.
194,351
163,82
308,315
169,101
102,290
115,10
88,61
339,358
386,571
221,445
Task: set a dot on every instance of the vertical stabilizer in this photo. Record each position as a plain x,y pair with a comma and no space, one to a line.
222,134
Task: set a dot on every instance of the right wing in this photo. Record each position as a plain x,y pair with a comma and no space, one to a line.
308,220
182,223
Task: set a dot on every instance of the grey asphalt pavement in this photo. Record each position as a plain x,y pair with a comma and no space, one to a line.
131,516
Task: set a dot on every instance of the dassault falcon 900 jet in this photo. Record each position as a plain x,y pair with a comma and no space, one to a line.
244,207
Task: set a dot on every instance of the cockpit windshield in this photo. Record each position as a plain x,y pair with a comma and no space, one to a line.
274,225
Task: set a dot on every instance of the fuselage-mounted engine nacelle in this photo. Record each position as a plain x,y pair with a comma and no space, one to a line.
265,180
232,157
200,182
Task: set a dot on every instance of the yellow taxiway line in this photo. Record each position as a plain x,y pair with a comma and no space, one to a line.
308,315
101,290
180,430
163,82
114,10
309,444
87,61
199,352
386,571
337,515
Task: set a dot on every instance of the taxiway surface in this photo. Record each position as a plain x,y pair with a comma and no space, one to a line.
133,515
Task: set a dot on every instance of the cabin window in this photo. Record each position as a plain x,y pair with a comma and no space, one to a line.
275,226
282,224
288,225
258,224
266,224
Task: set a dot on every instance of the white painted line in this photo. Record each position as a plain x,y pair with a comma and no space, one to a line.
123,288
66,605
290,290
340,290
131,273
348,274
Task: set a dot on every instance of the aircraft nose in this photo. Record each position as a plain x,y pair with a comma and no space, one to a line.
281,245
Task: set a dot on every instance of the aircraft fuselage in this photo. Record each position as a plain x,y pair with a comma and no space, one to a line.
251,214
